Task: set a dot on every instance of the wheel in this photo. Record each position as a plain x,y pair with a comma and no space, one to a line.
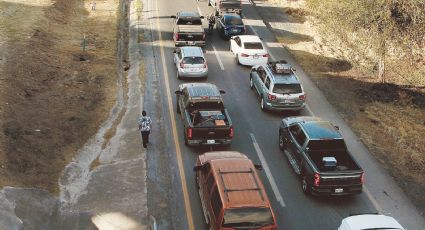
304,186
263,107
178,75
237,60
178,108
185,140
251,84
281,142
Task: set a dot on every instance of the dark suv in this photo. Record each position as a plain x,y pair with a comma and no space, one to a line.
277,86
230,25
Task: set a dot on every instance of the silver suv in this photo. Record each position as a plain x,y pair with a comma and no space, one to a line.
277,86
190,62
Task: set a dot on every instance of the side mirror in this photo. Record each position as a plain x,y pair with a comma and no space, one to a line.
173,16
253,70
336,127
174,51
178,92
293,69
261,39
222,91
202,17
197,168
258,167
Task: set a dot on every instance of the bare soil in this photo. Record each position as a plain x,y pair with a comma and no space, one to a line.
389,118
53,94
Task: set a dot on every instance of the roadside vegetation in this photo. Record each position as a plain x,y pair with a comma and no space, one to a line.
367,57
56,87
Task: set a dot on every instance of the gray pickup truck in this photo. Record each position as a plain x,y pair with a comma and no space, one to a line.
205,119
317,152
188,29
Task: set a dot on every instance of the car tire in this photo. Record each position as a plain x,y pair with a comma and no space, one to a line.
304,185
262,106
186,142
251,84
281,142
178,75
178,108
237,60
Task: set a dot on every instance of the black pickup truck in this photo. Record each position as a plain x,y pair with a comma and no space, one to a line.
317,152
188,29
205,119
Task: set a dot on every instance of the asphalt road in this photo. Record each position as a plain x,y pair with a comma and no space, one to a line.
293,209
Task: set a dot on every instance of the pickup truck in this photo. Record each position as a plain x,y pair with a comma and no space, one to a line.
226,6
188,30
318,154
205,119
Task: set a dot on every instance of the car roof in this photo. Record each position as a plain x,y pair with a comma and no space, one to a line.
201,89
315,127
238,182
282,78
371,221
249,38
188,14
192,51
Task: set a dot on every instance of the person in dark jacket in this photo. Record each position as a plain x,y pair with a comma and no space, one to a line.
211,22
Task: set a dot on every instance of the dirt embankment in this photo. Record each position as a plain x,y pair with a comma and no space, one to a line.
53,95
389,118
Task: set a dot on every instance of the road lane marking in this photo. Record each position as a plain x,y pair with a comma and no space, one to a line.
188,208
368,194
218,58
267,170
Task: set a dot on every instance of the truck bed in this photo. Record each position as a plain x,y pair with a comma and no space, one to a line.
344,160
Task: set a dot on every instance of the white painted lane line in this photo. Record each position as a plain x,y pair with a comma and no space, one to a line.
218,58
372,199
267,170
309,110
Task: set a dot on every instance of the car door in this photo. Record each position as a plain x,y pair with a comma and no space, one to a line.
297,140
206,182
266,88
182,100
220,23
261,86
235,44
257,78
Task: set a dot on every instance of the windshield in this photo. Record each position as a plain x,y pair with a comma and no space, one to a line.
287,88
189,21
193,60
335,144
253,45
233,21
247,217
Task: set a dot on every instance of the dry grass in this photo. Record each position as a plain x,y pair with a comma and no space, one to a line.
53,86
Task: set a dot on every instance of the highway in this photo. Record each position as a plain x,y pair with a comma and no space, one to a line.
256,133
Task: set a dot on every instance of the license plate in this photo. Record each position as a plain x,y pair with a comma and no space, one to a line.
235,30
210,141
256,56
194,70
287,101
339,190
191,43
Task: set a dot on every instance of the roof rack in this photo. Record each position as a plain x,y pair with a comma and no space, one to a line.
280,67
227,190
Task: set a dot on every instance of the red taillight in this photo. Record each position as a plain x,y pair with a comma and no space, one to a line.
244,55
189,133
362,178
302,97
271,97
316,179
265,55
231,132
177,36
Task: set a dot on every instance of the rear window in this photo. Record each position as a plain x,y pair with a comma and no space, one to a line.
253,45
207,105
193,60
287,88
189,21
247,217
319,145
233,21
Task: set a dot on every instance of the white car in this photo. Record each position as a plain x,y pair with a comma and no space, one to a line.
369,221
249,50
190,62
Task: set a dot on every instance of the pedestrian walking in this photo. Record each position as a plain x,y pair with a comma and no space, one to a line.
211,22
145,128
93,5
